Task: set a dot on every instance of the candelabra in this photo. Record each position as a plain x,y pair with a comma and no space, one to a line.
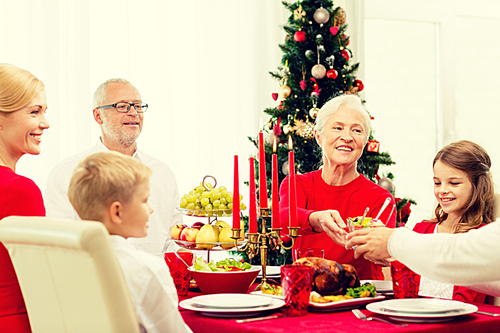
259,241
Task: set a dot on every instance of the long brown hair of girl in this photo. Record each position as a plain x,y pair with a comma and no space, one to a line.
472,159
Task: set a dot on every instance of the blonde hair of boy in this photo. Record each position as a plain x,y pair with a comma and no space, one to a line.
103,178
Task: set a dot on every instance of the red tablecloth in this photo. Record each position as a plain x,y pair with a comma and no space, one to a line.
342,321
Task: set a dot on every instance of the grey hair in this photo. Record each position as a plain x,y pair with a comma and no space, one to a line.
335,104
100,93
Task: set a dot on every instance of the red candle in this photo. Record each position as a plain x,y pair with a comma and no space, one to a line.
262,173
275,194
252,214
236,195
291,187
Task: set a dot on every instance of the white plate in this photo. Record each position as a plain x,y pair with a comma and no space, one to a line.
231,301
383,286
271,271
260,293
379,308
346,304
231,313
422,305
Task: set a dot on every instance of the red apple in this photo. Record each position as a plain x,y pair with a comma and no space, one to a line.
198,225
175,232
189,234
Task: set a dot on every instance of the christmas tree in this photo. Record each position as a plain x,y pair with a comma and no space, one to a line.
315,67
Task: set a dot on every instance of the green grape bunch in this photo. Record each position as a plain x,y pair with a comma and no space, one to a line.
207,200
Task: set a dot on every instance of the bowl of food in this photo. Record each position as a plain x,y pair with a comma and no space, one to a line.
360,223
226,276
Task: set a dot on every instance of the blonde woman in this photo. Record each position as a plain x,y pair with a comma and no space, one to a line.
22,121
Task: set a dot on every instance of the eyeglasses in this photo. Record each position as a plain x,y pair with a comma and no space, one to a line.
123,107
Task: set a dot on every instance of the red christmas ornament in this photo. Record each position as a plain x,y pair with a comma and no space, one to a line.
346,39
345,54
332,74
360,85
373,146
277,127
275,96
303,85
334,30
315,86
300,36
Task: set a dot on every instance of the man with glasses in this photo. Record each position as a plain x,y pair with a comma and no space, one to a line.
119,111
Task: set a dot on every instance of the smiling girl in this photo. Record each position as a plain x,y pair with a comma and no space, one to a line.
464,190
22,122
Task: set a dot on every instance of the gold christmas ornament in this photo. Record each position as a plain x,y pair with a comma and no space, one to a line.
305,129
353,91
314,112
299,13
321,15
341,18
285,168
318,71
284,91
287,129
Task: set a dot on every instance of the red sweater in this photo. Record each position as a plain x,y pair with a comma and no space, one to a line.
459,293
18,196
350,200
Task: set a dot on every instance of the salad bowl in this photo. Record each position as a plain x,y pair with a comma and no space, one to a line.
218,282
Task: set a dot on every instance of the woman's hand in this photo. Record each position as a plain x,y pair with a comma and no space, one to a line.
370,243
330,222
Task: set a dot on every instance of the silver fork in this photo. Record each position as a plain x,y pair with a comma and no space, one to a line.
362,316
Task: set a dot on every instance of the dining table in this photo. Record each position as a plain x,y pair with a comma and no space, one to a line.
340,320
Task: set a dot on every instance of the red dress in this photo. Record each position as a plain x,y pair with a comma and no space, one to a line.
350,200
459,293
18,196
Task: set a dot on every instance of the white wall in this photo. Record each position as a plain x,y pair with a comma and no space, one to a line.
201,65
431,79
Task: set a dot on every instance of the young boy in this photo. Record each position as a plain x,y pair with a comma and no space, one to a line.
114,188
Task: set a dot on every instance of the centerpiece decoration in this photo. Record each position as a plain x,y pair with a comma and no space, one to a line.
260,238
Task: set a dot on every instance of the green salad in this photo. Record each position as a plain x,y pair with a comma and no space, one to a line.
366,290
226,265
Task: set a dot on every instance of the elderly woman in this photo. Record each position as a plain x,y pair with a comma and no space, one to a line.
22,122
328,196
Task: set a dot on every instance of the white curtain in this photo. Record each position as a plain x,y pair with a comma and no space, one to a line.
201,65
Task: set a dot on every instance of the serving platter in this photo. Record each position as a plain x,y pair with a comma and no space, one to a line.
331,306
382,286
345,304
206,213
214,246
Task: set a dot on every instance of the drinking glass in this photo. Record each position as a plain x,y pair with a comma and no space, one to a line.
309,252
296,281
405,282
179,270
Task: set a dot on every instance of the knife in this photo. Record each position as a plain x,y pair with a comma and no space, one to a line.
240,321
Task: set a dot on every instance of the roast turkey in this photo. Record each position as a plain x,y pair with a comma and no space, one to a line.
330,277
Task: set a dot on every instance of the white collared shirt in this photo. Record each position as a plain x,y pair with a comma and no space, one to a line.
164,198
151,287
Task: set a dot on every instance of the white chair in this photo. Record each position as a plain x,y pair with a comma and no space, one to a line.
69,275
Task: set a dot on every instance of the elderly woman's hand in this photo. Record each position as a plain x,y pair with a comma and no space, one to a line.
370,243
330,222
